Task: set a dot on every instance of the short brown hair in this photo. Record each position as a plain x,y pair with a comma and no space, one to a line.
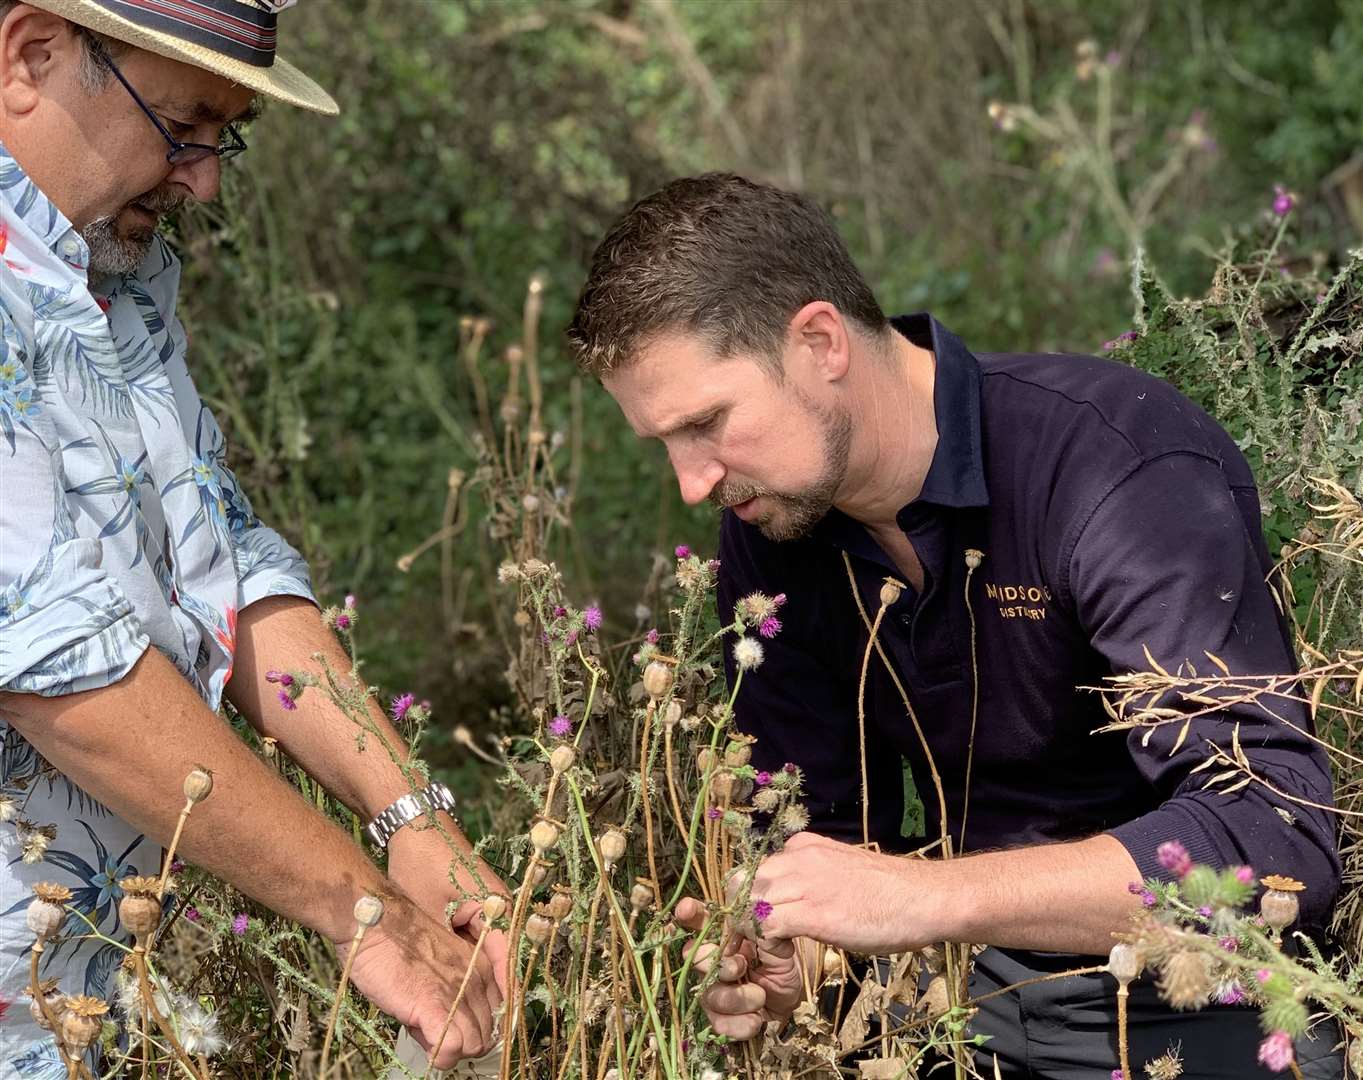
718,256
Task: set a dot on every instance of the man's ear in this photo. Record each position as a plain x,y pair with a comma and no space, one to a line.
33,44
819,336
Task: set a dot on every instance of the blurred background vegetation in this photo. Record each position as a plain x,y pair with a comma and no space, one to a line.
486,141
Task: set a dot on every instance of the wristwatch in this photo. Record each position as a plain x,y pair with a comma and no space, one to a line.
407,808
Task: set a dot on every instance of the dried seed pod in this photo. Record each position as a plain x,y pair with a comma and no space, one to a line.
561,760
766,800
50,996
672,715
45,913
543,835
889,592
724,786
81,1022
658,678
198,784
612,846
494,907
538,928
641,896
539,872
368,911
1124,962
706,759
139,914
1279,909
560,903
973,558
737,754
834,966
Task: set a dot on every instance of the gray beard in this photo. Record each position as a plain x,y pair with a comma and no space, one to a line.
111,254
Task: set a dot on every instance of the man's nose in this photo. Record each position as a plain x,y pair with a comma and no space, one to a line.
202,177
696,477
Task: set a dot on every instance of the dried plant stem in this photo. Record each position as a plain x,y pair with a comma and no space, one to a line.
1122,1049
458,998
512,980
974,708
54,1022
645,757
1296,1070
170,851
861,727
149,1005
340,996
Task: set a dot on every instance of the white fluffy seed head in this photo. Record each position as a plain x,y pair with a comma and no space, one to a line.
748,653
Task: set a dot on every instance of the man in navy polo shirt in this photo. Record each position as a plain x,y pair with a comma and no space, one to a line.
1048,518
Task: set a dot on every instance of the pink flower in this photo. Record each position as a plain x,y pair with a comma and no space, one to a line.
287,701
1275,1052
283,678
1174,857
400,705
571,639
1135,888
713,813
1244,875
591,619
192,914
682,551
1263,975
1147,898
651,637
342,622
560,611
790,767
560,726
350,600
778,600
240,923
1231,995
1117,1074
1229,943
771,626
763,778
761,911
713,565
176,866
1283,202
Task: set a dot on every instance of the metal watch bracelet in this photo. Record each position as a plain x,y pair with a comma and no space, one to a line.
406,809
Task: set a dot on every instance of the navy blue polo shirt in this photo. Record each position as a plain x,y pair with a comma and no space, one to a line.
1113,515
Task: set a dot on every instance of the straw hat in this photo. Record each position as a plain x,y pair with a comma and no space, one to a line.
231,38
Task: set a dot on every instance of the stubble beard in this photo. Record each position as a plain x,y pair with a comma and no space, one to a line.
116,249
795,514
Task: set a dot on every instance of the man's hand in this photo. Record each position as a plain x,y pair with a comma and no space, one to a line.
411,967
419,863
759,980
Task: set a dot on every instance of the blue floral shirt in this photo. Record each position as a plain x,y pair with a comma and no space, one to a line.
121,527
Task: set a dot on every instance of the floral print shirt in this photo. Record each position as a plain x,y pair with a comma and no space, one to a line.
121,527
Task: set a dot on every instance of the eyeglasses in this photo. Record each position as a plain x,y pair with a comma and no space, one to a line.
181,153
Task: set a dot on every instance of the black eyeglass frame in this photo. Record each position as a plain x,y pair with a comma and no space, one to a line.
180,153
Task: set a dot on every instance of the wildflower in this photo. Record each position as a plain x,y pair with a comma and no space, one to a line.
714,813
1185,981
199,1033
240,923
1230,993
283,678
1205,911
794,818
747,653
682,551
1283,202
763,778
400,705
507,572
713,566
652,637
1147,898
560,611
571,639
343,621
761,911
176,865
350,601
287,701
766,800
192,914
1263,975
1117,1074
1174,857
560,726
771,626
35,842
1168,1066
1229,943
591,619
1275,1052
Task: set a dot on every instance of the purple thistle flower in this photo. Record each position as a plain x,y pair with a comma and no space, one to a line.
560,611
591,619
176,866
1135,888
1275,1052
1205,911
192,914
1263,975
1117,1074
1128,335
287,701
350,600
713,566
771,626
1108,346
400,705
1283,201
560,726
713,813
1147,898
273,676
343,622
682,551
1244,875
1231,995
652,637
761,911
1229,943
763,778
571,639
1174,857
240,923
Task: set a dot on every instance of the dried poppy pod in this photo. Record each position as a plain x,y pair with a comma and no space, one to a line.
540,870
544,835
198,785
560,904
494,907
834,966
889,592
974,557
140,910
1279,905
641,897
562,758
658,679
739,752
81,1022
368,911
706,759
1124,962
672,714
538,928
725,785
50,996
612,845
45,913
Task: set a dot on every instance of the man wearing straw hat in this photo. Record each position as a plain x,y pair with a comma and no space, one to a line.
121,528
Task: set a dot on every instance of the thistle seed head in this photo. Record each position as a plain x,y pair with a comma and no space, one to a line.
1186,979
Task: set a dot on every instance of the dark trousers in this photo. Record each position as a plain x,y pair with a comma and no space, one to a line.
1066,1029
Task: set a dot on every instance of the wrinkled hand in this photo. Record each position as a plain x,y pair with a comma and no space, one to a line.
846,896
411,967
759,979
419,863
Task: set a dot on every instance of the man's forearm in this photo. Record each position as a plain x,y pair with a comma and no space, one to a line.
1055,898
131,744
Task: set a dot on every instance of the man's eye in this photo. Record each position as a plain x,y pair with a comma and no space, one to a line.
176,128
705,424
